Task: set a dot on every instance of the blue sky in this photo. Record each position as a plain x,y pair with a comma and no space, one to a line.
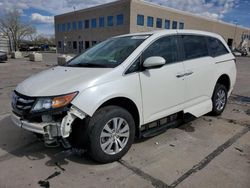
40,12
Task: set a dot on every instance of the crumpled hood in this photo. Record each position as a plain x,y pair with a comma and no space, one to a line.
61,80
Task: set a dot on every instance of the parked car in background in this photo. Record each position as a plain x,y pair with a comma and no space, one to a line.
3,56
127,86
240,52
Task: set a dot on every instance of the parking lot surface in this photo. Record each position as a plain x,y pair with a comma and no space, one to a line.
207,152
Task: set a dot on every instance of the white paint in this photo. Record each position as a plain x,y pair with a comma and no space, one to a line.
155,92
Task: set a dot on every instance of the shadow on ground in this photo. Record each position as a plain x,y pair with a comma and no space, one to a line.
16,142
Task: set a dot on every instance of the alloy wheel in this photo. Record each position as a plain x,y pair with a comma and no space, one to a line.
220,101
114,136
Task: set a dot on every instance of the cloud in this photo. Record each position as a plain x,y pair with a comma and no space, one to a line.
215,9
51,6
38,18
209,8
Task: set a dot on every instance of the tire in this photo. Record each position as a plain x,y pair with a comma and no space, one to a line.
106,144
219,99
79,135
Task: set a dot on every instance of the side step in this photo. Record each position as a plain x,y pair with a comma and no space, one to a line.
158,130
159,126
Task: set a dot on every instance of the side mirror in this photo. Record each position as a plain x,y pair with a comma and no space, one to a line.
154,62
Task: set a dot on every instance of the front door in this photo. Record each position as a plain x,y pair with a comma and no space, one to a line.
163,89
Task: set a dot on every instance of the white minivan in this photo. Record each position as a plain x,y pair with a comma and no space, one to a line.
135,85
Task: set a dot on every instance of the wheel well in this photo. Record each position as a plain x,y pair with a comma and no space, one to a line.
224,80
127,104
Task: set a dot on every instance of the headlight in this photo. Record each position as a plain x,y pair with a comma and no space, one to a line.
53,102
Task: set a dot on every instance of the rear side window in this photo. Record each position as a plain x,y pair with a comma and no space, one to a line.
194,46
216,48
165,47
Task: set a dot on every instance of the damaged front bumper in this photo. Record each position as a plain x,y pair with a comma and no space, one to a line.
51,130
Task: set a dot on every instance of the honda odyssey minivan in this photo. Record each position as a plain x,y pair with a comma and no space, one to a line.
134,85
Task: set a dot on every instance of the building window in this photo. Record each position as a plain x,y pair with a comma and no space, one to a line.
74,45
93,23
74,26
110,20
119,19
59,44
159,23
174,25
86,44
68,26
101,22
167,24
80,25
94,43
64,27
150,21
86,24
181,25
140,19
58,27
69,45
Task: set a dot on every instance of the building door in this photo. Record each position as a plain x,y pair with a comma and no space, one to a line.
230,43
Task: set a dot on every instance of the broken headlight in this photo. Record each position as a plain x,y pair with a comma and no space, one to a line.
47,103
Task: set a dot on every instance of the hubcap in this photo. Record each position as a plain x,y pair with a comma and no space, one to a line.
114,136
220,100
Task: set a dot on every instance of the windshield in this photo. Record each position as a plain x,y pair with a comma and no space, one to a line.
108,54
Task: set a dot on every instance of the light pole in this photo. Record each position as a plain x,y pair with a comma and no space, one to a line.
235,32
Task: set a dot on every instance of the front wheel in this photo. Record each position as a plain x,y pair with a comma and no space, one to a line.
219,99
112,134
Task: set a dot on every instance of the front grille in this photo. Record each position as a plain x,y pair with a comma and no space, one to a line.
22,104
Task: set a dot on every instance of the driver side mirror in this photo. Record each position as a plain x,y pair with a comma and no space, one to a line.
154,62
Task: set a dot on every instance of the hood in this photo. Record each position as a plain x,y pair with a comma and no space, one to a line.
61,80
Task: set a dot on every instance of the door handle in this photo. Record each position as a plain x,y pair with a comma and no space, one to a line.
180,75
189,73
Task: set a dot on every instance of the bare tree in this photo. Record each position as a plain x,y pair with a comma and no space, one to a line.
42,39
14,28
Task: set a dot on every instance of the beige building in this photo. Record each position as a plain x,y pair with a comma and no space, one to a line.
79,30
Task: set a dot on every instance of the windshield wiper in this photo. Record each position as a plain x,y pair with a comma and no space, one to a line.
89,65
93,65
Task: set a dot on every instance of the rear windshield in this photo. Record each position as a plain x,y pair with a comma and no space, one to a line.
108,54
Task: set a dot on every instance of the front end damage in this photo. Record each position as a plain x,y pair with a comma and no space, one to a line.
54,126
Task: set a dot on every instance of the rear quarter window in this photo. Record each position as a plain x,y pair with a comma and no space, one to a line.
194,46
216,47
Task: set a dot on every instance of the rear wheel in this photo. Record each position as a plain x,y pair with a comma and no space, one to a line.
219,99
112,131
